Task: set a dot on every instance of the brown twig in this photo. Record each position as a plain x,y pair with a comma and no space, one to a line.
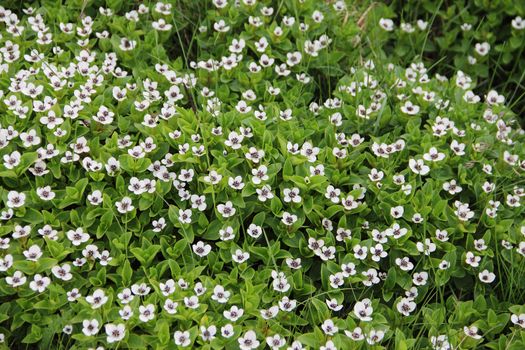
361,20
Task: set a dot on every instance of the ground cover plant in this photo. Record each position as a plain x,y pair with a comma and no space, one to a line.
485,39
249,175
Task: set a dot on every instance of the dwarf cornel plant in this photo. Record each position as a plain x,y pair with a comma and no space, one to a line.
483,38
247,175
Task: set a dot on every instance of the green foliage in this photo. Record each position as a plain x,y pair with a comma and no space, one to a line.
260,174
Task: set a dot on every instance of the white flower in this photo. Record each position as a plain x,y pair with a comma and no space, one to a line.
404,264
264,193
239,256
405,306
363,310
336,280
95,198
329,328
288,219
68,329
376,175
310,152
333,304
254,154
198,202
97,299
513,200
45,193
220,295
226,210
185,216
126,312
360,252
147,313
375,336
242,107
291,195
12,160
21,231
161,25
73,294
201,249
234,140
127,45
463,211
442,235
170,306
39,283
420,278
125,205
62,272
422,25
140,289
280,282
452,187
16,280
236,183
227,331
433,155
457,148
15,199
286,304
275,342
269,313
472,332
33,253
208,333
226,234
125,296
167,288
356,334
254,231
30,138
234,313
486,276
409,108
333,194
397,211
387,24
418,166
248,341
482,48
471,97
259,174
77,237
518,23
493,98
90,327
427,247
213,177
115,332
329,345
518,320
377,252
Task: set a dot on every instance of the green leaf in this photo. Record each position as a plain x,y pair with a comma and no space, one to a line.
173,214
276,205
162,330
105,222
26,160
34,336
287,169
400,340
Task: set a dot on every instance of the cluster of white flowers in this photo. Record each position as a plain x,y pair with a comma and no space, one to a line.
229,200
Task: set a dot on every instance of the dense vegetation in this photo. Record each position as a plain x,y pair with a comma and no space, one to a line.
295,174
